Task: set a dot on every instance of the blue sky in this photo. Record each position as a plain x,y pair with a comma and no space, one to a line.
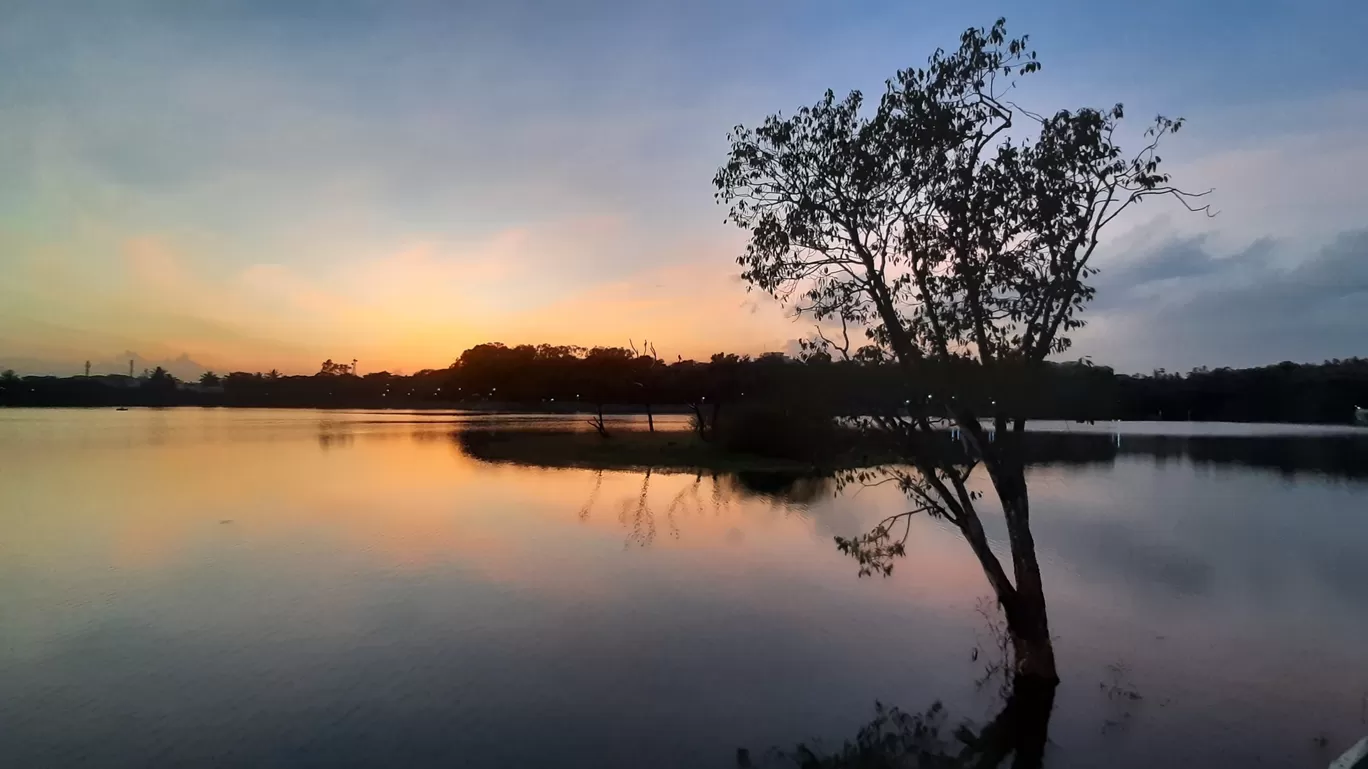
268,184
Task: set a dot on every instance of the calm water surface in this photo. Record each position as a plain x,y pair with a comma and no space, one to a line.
323,589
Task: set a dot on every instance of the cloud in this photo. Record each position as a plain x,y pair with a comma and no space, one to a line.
689,310
180,366
265,187
1182,305
416,305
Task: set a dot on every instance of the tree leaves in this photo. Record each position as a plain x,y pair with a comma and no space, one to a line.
923,217
928,222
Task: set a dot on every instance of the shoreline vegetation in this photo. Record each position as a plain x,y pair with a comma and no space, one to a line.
660,451
674,450
568,380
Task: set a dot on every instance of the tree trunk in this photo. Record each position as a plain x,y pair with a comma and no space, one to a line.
1032,646
700,423
1023,603
1021,729
1028,622
1030,705
650,418
598,424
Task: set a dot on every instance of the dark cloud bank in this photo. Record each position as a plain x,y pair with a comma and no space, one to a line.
1183,306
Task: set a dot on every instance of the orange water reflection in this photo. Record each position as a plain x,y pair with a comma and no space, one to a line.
262,526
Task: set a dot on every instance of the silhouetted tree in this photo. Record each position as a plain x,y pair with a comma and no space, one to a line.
159,383
606,373
963,251
209,379
646,374
863,381
328,368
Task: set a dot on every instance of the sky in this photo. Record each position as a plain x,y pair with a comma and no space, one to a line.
258,185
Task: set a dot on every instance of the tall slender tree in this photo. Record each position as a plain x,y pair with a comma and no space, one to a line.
956,229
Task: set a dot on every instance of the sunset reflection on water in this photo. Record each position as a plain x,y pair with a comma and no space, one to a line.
236,586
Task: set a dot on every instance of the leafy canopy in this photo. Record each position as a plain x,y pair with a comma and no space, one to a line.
929,221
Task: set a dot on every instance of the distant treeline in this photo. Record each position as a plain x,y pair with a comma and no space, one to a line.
570,378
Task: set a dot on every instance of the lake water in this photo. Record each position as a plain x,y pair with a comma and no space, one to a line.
322,589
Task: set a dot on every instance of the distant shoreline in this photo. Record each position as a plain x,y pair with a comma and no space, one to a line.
670,415
423,405
552,380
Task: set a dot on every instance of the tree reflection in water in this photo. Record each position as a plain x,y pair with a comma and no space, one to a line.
639,518
1017,734
895,739
593,496
787,488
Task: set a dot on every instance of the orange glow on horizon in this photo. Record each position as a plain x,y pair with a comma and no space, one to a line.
415,307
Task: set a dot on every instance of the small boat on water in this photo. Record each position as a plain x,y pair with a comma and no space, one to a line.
121,408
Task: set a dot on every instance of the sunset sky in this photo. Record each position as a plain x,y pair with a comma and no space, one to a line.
263,185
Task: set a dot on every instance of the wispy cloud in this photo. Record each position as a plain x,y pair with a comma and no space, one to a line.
264,185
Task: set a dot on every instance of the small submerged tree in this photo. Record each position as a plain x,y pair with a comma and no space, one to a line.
956,229
646,375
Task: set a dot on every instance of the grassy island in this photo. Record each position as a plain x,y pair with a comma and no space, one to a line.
634,450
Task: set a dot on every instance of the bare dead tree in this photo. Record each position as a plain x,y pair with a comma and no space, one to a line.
647,377
596,422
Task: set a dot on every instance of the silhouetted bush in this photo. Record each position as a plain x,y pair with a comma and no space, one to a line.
779,432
